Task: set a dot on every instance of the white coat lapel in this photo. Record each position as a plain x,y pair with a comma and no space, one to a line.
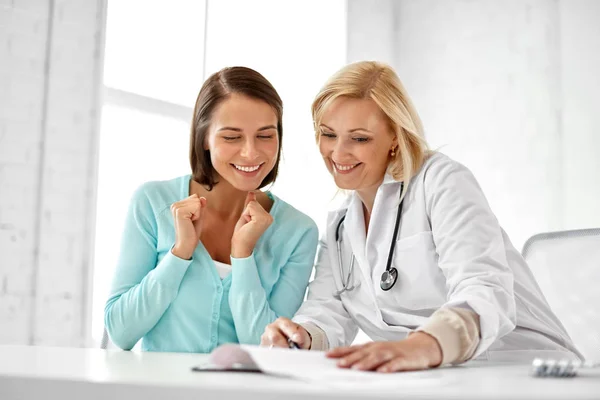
354,231
381,227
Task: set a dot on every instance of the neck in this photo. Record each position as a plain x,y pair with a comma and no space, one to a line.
224,199
367,196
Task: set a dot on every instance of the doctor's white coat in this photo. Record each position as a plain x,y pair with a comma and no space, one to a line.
450,252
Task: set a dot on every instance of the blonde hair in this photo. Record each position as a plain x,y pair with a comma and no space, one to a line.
378,82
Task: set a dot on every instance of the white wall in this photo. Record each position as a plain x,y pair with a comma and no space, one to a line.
501,86
580,76
50,52
371,28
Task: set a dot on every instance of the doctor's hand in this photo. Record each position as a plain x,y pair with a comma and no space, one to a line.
253,222
187,217
418,351
277,334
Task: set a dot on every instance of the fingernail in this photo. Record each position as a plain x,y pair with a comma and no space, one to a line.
295,337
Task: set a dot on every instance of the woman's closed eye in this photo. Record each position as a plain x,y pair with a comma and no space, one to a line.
230,138
329,135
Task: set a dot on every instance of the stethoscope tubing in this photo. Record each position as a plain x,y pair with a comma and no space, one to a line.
388,269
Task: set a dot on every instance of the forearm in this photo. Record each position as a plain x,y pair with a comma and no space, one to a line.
248,301
456,331
318,337
132,311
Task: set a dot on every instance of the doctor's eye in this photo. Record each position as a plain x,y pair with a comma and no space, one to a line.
361,139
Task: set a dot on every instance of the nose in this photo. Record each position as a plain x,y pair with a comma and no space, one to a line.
339,149
249,150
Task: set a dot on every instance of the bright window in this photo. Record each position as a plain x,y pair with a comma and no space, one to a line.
155,63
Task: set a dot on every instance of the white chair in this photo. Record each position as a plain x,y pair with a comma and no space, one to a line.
567,267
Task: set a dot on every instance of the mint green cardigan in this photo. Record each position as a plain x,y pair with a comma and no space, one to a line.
183,305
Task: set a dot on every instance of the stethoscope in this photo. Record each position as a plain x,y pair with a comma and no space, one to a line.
389,276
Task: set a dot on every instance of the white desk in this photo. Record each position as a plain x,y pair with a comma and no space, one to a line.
64,373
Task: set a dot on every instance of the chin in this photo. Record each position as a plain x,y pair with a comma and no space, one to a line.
247,185
345,184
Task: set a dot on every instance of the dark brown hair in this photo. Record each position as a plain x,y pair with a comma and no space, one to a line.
216,89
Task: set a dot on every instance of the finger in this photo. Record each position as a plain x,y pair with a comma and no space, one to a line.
196,209
349,360
185,210
401,364
294,332
201,207
198,220
274,337
342,351
251,196
373,360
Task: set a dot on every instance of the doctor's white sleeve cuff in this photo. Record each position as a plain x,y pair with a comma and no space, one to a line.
318,337
457,332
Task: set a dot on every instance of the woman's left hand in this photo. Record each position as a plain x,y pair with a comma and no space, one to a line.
253,222
418,351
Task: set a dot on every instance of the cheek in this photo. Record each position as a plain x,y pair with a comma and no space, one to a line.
324,148
220,154
271,149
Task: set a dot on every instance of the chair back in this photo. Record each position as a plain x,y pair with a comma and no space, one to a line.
566,265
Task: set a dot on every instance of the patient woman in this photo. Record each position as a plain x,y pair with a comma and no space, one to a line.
208,258
414,257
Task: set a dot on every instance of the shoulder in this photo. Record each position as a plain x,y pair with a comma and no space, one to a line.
439,170
159,195
448,183
288,219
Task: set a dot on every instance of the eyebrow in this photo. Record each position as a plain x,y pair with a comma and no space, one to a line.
230,128
351,130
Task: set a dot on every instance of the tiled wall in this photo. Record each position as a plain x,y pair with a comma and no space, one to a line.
49,69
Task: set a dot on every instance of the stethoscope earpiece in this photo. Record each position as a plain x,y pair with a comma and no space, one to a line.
388,279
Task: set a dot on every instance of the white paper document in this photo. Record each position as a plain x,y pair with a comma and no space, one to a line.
313,366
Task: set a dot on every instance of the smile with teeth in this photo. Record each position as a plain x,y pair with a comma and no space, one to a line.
247,168
346,167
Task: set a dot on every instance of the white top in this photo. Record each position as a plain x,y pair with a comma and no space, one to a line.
71,373
222,268
450,252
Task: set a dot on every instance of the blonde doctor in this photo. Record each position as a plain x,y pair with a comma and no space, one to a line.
415,257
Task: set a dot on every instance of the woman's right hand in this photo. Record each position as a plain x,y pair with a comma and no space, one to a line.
277,333
187,216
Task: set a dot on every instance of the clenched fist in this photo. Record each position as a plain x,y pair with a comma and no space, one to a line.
187,216
253,222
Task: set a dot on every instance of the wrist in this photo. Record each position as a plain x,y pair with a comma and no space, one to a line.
430,346
309,339
177,251
241,251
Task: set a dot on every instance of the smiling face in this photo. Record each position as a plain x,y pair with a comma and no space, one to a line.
243,141
355,140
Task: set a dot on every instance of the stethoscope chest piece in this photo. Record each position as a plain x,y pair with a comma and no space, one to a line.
388,279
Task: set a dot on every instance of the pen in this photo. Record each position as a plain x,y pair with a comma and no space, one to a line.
292,344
